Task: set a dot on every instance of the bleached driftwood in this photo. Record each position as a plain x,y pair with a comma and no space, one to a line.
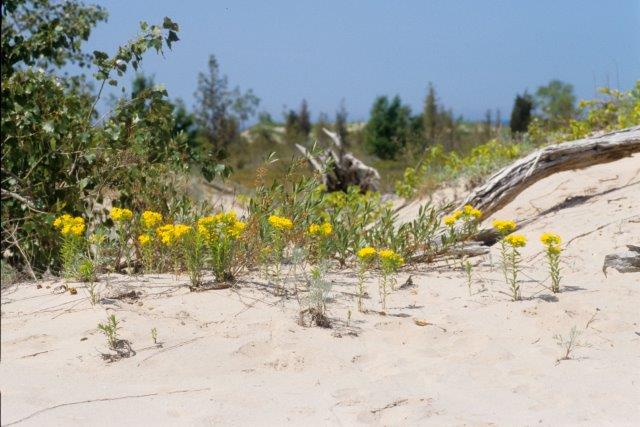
624,262
340,169
510,181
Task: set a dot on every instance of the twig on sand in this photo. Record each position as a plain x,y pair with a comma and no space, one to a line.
600,228
171,348
105,399
390,405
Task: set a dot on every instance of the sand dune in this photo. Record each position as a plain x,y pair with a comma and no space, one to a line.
238,356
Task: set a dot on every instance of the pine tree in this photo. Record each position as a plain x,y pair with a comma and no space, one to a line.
521,113
430,115
341,124
304,119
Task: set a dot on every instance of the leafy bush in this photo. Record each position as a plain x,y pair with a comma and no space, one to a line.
58,155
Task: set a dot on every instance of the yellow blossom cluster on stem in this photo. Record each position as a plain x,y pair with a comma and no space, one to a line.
550,239
150,219
170,233
504,226
516,240
391,258
121,214
69,225
280,223
468,213
219,225
144,239
325,229
471,212
366,254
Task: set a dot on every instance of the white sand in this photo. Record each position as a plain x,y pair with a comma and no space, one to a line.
238,357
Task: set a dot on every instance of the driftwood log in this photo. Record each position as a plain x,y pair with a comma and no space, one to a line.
507,183
340,169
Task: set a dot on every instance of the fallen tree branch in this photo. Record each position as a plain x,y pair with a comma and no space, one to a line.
510,181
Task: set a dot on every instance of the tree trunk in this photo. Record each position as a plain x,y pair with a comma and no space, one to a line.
510,181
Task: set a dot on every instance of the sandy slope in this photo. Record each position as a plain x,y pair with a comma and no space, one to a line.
237,357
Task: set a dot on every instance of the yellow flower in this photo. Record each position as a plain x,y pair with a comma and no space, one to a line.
550,239
166,234
327,229
206,221
144,239
516,240
366,254
390,258
179,230
324,229
456,215
69,225
150,219
280,223
121,214
237,228
504,226
471,212
449,220
62,220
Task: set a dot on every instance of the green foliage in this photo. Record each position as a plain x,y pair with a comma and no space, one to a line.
110,331
615,110
555,103
57,154
45,34
438,165
388,127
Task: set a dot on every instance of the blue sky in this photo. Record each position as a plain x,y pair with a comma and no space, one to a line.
478,54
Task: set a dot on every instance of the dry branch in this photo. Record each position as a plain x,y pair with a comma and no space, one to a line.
340,169
507,183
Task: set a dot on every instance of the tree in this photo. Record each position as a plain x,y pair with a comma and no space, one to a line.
304,119
341,124
220,111
388,127
556,103
488,122
430,115
521,113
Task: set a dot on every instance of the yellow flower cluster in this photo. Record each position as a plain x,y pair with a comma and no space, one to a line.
227,223
550,239
504,226
390,257
151,219
171,233
552,242
144,239
468,213
69,225
516,240
280,223
449,220
121,214
471,212
366,254
324,229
